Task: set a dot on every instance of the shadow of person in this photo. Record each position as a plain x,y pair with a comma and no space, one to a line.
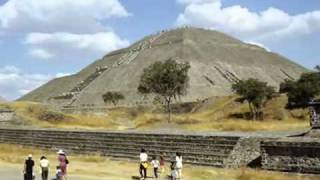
136,177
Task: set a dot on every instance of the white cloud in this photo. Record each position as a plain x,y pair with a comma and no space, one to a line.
15,83
258,44
186,2
40,53
77,16
46,45
245,24
63,29
59,75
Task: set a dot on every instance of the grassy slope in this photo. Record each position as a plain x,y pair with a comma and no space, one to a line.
216,114
97,167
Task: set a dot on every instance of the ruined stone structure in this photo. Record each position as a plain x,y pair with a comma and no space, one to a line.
315,115
296,154
293,154
208,150
6,115
217,61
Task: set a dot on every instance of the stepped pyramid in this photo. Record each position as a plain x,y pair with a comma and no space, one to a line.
217,61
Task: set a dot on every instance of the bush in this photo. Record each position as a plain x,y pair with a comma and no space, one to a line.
299,114
51,116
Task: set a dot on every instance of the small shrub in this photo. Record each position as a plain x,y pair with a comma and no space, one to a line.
299,114
51,116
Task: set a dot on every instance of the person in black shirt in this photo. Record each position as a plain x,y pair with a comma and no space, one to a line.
28,168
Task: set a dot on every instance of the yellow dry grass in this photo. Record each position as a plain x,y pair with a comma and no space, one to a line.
97,167
218,115
30,112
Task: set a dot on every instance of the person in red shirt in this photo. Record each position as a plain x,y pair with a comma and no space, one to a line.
63,162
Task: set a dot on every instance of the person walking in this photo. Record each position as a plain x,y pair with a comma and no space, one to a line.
28,168
143,164
155,163
179,165
174,174
44,168
162,162
63,162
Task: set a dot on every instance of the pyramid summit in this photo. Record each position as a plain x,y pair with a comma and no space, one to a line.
217,61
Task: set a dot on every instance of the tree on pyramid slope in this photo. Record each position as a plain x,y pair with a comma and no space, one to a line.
167,79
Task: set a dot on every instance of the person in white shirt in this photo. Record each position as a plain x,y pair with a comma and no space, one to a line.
179,165
174,174
44,167
155,163
143,164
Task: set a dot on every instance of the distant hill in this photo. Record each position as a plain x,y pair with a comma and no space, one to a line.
217,61
2,99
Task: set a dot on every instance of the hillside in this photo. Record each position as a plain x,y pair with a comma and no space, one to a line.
217,61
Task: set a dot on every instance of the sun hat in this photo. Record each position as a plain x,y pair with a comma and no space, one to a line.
60,152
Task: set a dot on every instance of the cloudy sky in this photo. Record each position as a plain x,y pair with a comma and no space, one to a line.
44,39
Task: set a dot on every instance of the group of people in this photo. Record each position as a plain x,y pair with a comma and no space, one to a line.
158,164
61,169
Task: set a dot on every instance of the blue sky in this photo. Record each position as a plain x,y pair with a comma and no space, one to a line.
44,39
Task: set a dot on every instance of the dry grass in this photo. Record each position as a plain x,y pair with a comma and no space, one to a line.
96,167
39,115
219,114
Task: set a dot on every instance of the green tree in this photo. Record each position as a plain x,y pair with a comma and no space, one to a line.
167,79
303,90
256,93
112,97
317,68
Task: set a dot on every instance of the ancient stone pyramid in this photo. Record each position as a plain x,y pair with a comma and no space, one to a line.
217,61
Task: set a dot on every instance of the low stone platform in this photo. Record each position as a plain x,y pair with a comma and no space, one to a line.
196,149
219,149
294,154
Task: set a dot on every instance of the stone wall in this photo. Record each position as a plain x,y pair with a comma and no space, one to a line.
246,152
6,115
294,154
196,149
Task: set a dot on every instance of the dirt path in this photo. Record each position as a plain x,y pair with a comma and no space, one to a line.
14,172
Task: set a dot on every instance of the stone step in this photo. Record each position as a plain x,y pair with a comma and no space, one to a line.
93,148
132,147
215,150
195,149
163,143
127,135
205,143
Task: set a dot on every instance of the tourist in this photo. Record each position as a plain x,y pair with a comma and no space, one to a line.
58,173
63,162
143,164
28,168
155,163
162,162
174,174
44,168
179,165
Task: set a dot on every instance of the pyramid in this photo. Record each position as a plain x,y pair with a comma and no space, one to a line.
217,61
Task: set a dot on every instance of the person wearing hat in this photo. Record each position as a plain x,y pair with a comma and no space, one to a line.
63,162
28,168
